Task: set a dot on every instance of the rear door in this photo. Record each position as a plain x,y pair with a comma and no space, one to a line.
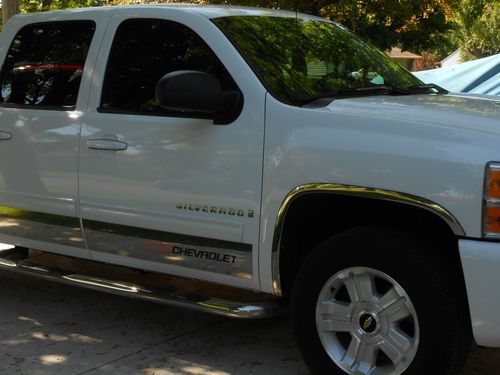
44,79
169,191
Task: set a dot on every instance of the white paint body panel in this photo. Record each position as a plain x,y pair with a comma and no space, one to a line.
172,159
434,147
481,264
39,165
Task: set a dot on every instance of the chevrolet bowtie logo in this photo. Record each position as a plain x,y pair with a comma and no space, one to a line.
367,323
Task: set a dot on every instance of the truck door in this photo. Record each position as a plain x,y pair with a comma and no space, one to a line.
40,112
162,190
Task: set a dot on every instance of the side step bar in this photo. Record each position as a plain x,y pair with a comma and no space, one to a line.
17,260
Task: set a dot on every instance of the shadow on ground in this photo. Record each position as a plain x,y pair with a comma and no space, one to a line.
48,328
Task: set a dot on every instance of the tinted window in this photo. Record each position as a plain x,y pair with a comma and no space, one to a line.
143,51
300,59
44,64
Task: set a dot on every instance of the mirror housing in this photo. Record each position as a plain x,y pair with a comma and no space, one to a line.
198,94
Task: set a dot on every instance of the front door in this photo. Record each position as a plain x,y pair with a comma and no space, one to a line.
167,191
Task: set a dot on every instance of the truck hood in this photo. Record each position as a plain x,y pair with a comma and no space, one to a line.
455,110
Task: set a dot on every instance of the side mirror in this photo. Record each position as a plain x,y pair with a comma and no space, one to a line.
198,93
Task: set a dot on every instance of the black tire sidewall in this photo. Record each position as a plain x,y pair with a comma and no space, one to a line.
407,260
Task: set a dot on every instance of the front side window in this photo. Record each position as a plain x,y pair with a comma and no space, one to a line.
302,59
44,65
143,51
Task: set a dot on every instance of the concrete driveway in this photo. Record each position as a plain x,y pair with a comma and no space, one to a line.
47,328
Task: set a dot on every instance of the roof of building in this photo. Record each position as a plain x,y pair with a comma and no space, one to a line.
398,53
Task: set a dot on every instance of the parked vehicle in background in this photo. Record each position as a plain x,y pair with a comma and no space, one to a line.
273,158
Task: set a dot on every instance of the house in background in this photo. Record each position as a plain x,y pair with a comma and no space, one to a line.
404,58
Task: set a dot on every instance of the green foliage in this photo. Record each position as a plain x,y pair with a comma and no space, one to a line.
478,27
407,23
29,6
442,44
439,26
386,23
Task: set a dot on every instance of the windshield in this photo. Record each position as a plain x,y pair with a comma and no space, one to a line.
299,60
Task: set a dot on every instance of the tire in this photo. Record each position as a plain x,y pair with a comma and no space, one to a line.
373,300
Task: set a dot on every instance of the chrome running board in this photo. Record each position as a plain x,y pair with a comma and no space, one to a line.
17,260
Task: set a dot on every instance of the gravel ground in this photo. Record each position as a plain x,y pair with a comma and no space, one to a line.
48,328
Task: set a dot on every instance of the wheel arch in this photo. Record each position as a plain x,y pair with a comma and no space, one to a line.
307,205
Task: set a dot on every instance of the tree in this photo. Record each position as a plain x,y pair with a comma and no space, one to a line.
387,23
411,24
29,6
477,29
9,9
418,25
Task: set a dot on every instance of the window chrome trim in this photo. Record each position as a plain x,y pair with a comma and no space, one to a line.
69,108
356,191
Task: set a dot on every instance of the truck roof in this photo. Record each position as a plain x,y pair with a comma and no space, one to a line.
208,11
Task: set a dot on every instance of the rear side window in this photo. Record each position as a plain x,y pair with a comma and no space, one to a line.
143,51
44,65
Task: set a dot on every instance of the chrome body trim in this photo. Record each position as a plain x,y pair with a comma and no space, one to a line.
59,229
106,144
5,136
16,261
207,254
356,191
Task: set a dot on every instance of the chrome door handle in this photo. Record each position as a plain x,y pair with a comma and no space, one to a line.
5,136
106,144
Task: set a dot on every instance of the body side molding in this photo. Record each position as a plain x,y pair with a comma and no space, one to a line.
201,253
40,226
356,191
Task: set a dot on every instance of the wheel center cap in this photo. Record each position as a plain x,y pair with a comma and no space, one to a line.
367,323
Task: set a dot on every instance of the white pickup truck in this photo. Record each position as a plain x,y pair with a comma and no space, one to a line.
271,155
